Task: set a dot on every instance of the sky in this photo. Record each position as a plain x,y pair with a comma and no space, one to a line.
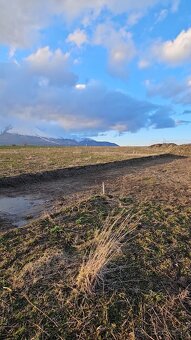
113,70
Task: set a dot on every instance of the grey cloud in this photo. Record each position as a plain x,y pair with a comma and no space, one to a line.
179,91
161,119
28,102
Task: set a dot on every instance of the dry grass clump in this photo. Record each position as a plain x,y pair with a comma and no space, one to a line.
107,245
46,266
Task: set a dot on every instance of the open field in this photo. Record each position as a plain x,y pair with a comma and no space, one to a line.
18,160
21,160
104,267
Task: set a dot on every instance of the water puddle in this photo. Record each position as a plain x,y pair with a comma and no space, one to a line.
20,209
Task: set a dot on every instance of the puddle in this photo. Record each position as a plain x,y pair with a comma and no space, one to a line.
21,209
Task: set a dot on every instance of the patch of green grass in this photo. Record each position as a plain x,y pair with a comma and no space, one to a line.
56,229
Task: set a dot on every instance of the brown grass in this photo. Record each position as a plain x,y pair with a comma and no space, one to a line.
19,160
52,261
107,246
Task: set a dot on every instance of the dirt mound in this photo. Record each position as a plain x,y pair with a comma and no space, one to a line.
163,145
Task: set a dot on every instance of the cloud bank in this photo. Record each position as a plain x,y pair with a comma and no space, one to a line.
21,20
42,90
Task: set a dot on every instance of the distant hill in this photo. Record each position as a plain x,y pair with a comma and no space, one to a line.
8,139
162,145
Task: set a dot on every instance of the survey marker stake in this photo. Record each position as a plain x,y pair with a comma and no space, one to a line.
103,187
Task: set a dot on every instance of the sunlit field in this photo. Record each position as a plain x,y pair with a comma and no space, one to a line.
18,160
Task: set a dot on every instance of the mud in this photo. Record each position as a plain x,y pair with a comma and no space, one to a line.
24,198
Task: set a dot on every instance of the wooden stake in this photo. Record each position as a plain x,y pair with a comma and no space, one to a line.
103,187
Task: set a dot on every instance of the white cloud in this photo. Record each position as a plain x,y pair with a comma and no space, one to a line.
73,8
21,20
78,37
53,65
175,51
120,47
44,56
80,86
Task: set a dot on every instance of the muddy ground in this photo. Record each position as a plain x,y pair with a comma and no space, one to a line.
28,201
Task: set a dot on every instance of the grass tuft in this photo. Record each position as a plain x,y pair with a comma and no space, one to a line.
107,245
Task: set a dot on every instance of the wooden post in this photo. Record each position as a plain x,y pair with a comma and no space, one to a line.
103,187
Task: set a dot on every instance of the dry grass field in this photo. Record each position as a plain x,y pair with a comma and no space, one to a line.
104,267
18,160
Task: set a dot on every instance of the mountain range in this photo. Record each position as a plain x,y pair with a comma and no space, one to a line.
7,138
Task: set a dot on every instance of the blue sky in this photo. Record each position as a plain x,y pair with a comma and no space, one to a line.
115,70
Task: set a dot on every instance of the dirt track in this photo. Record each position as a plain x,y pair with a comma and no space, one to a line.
29,200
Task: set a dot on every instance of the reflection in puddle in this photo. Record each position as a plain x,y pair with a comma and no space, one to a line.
19,209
